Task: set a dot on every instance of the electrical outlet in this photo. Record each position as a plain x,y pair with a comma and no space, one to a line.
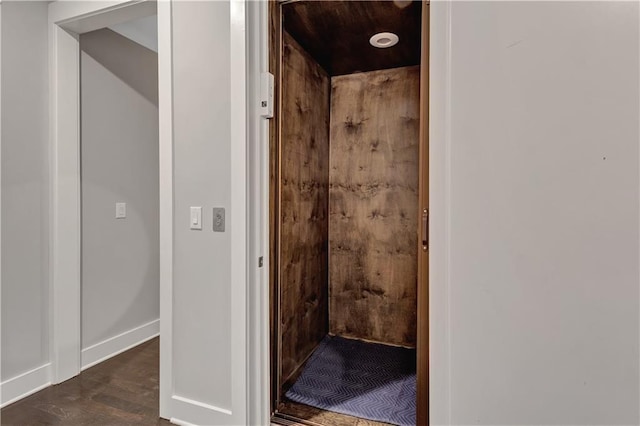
218,219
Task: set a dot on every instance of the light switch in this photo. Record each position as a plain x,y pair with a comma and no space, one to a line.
196,218
121,210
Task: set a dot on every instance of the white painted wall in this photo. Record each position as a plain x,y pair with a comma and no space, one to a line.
119,161
535,318
25,311
143,31
202,259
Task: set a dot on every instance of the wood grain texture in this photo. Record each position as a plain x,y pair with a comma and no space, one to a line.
336,33
373,205
422,344
120,391
304,183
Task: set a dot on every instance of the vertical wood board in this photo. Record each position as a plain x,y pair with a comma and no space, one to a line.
373,214
304,184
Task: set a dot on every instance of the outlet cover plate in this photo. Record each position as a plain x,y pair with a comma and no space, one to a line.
218,219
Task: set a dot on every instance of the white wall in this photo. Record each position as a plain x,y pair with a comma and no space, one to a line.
25,229
202,259
119,150
143,31
537,320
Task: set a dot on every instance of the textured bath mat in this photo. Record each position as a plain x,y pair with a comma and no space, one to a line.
366,380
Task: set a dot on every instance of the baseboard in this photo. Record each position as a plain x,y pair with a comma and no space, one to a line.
122,342
25,384
186,411
180,422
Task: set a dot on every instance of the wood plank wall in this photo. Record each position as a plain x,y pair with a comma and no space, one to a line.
304,180
373,205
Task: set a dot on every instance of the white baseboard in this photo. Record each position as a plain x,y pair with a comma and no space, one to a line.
25,384
186,411
115,345
180,422
39,378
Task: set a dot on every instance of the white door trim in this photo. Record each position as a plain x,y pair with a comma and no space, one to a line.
0,186
439,211
66,21
258,393
241,263
165,116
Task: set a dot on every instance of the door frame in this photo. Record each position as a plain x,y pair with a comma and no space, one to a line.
432,298
67,20
258,172
440,86
422,294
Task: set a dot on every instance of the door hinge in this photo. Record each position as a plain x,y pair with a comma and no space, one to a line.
260,262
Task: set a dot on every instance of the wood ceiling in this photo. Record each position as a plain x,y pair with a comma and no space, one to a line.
336,33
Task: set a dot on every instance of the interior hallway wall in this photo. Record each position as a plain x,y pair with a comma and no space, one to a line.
304,187
373,205
540,296
25,221
119,161
202,289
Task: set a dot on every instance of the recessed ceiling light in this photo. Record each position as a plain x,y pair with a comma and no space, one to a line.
402,3
383,40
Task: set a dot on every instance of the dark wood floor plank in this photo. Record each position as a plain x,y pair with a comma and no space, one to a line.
118,392
315,416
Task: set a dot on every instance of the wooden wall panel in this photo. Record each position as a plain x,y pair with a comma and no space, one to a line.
304,192
373,205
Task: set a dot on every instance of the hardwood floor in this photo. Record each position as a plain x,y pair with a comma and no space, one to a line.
120,391
315,416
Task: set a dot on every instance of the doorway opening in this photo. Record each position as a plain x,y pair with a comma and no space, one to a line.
100,120
119,180
349,212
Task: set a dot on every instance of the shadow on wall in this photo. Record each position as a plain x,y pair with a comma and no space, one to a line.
124,315
124,58
119,163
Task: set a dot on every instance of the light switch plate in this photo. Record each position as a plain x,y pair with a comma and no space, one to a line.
218,219
121,210
195,218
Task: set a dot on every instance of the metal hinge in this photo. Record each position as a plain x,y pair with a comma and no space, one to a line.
260,262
